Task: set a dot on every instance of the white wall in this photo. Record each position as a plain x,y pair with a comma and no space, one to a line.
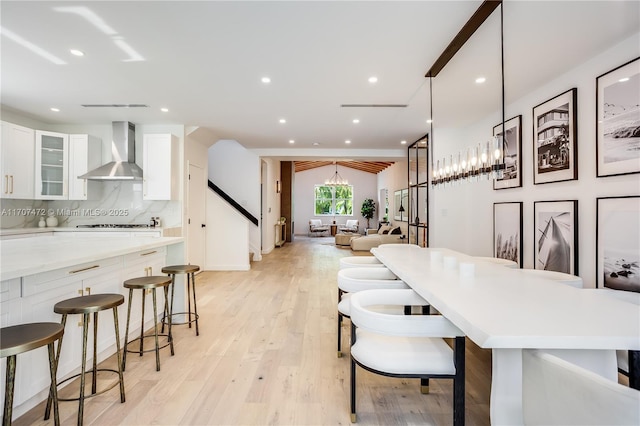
236,171
393,178
462,216
227,238
270,203
364,186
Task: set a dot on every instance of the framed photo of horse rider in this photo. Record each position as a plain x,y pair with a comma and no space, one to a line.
618,120
555,136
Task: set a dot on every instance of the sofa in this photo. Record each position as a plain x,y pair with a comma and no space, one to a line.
386,234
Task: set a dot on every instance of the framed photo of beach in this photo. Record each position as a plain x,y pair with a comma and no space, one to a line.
507,231
618,120
556,236
555,136
512,148
618,243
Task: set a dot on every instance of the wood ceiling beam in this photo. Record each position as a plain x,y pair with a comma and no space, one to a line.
481,14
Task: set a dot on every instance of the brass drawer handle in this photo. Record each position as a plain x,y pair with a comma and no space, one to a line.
147,254
84,269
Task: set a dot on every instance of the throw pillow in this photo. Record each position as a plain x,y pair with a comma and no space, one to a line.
396,231
384,229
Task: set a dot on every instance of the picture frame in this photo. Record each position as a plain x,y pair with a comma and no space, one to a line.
555,136
512,148
618,120
401,198
618,243
507,231
556,236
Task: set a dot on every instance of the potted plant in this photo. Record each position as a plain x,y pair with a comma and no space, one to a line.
368,209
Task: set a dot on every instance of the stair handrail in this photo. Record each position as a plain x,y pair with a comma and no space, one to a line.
215,188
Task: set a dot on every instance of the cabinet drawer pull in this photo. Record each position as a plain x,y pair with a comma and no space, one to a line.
147,254
84,269
6,184
11,184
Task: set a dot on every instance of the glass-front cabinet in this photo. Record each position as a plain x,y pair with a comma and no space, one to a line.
418,178
51,166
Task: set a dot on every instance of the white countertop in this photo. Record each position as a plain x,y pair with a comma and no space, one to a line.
21,231
27,256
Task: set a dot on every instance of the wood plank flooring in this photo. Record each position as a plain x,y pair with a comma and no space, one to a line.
266,355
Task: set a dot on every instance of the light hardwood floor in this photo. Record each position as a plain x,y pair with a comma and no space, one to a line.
266,354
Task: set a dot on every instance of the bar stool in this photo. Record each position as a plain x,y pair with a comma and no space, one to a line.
86,305
21,338
148,283
190,271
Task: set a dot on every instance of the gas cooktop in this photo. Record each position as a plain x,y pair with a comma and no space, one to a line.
114,225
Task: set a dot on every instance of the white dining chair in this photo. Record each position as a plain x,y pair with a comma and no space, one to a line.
352,280
558,392
360,261
405,346
561,277
498,261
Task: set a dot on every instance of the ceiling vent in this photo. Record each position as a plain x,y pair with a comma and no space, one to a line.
373,106
115,106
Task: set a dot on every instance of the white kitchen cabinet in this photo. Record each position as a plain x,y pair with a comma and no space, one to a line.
51,166
85,153
18,152
160,166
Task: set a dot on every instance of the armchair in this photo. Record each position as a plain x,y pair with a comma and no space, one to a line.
316,226
350,226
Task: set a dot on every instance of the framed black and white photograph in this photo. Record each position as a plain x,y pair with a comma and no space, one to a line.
401,205
507,231
555,136
556,236
618,120
512,148
618,243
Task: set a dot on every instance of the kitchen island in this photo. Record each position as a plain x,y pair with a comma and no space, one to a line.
36,273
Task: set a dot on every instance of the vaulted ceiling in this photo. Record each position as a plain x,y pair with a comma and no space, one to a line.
364,166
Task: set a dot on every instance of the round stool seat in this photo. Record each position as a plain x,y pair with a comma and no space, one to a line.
153,281
88,304
180,269
25,337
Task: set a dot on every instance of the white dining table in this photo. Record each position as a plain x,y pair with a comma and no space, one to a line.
506,310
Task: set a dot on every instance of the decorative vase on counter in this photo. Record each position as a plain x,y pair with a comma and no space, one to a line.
52,221
42,223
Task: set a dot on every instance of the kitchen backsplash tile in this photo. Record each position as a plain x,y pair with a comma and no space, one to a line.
121,202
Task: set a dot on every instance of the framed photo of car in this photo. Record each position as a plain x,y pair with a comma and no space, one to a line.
512,148
555,139
618,120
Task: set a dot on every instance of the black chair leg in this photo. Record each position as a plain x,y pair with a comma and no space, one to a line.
353,391
458,382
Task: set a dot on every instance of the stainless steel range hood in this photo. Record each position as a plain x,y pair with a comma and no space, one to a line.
123,150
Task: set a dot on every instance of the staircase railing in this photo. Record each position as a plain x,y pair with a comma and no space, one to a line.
233,203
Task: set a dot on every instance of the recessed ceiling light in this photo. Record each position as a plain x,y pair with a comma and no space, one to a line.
480,80
316,144
429,121
282,121
76,52
265,80
373,79
164,109
55,109
356,121
622,80
292,141
403,142
347,141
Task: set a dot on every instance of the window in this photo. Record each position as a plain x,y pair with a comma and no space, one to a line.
333,200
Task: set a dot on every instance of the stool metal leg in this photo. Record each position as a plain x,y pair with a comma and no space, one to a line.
47,410
85,332
155,330
189,298
195,307
120,363
8,394
142,324
170,317
53,368
126,332
169,309
94,377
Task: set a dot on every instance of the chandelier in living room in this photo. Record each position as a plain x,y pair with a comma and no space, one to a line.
336,179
